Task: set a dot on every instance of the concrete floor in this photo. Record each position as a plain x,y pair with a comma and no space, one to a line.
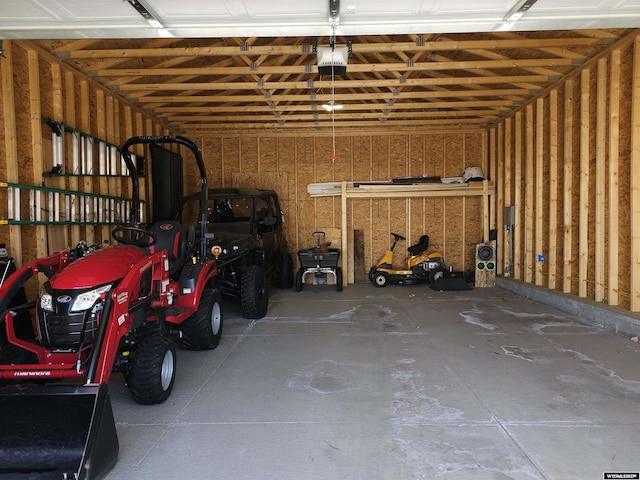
398,383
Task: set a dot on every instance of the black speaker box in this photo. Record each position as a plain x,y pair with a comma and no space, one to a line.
485,265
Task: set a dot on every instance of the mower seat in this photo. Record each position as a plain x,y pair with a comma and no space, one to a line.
170,236
420,246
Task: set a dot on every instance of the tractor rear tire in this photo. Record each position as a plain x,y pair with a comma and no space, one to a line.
152,370
380,279
203,329
254,292
339,279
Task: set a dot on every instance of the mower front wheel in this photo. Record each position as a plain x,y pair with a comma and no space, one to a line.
203,329
380,279
436,275
153,370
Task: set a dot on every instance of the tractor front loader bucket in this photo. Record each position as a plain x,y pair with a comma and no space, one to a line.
56,432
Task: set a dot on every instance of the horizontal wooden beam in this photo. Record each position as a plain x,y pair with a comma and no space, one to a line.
260,50
251,116
201,128
305,107
321,97
352,68
297,85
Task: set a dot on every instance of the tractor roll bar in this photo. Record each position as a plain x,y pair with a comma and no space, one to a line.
147,139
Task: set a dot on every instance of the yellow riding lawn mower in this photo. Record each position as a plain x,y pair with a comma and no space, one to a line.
419,266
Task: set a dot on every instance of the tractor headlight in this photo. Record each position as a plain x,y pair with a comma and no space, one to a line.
46,300
85,300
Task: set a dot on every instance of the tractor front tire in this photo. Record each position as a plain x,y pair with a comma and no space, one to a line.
203,329
254,292
152,370
380,279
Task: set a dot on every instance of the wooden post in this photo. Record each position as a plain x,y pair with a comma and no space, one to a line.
36,140
528,201
519,228
539,212
58,237
599,245
614,146
11,146
635,181
498,209
507,246
567,261
583,246
552,260
345,244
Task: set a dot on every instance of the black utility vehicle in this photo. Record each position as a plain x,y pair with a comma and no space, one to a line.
244,226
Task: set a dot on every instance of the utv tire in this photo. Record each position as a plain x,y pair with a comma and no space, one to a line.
285,280
380,279
203,329
299,283
436,275
339,279
153,370
254,292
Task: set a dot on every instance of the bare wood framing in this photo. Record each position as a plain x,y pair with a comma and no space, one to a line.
600,245
568,187
613,163
58,237
37,153
497,175
327,84
507,245
519,227
320,97
529,206
85,125
635,181
357,48
583,245
485,190
70,118
552,261
539,208
11,146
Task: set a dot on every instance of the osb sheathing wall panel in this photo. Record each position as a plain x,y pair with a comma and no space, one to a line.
34,86
564,161
454,225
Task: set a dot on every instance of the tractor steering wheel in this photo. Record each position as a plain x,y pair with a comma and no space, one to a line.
137,236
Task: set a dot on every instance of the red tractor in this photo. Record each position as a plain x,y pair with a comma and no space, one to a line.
101,310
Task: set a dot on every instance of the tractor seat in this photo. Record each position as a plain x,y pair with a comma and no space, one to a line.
170,236
420,246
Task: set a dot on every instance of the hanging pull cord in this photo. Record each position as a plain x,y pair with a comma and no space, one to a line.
334,157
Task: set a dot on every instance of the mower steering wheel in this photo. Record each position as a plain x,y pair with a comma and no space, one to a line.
398,237
138,237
